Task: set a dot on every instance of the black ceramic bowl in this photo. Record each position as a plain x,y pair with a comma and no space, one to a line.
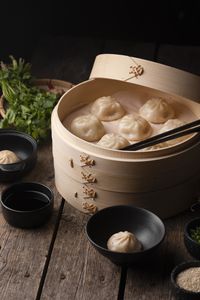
146,226
192,246
27,204
181,293
24,146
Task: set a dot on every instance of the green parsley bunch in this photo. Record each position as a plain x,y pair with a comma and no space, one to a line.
28,107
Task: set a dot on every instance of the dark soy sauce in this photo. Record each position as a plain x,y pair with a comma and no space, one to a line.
26,201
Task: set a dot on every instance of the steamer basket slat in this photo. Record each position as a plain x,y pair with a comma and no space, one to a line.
131,180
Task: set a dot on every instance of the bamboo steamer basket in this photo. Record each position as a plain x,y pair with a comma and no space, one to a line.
90,178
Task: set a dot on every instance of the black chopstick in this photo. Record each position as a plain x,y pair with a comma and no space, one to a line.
166,136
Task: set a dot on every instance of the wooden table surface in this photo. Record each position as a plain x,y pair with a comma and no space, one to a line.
56,261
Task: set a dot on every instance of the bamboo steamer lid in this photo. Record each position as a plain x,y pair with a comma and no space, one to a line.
147,73
90,177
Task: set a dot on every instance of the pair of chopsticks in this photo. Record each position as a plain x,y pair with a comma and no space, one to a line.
166,136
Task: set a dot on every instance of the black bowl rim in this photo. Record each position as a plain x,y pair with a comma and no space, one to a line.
24,135
126,253
179,268
186,232
51,198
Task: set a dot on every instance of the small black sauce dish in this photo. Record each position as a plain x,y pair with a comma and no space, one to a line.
179,292
146,226
27,204
24,146
192,246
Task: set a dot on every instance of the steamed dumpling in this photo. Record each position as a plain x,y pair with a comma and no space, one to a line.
113,141
124,241
134,128
155,147
88,128
157,110
8,157
171,124
107,109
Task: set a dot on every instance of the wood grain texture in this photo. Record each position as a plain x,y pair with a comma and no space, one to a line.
23,252
76,270
152,281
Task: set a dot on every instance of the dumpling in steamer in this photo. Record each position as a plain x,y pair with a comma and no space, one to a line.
134,128
171,124
155,147
124,241
113,141
107,109
88,128
157,110
8,157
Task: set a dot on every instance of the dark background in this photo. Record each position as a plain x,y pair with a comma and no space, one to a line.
25,23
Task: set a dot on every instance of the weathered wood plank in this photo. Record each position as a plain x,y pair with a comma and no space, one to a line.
23,252
76,270
67,58
182,57
153,280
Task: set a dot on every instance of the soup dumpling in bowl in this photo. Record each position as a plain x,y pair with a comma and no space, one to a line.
113,141
157,110
107,108
8,157
88,128
124,242
134,128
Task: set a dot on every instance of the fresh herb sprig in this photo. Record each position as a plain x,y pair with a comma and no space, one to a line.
28,107
17,70
195,234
